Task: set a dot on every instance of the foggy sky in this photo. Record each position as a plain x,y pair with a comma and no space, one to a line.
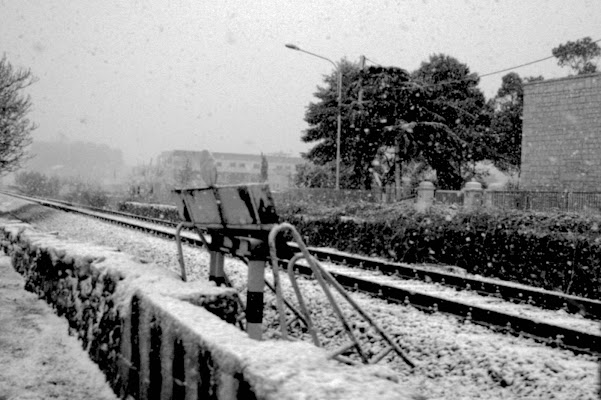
154,75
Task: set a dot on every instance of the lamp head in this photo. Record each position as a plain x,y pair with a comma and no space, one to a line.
292,46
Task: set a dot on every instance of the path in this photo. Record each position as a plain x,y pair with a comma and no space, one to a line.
38,358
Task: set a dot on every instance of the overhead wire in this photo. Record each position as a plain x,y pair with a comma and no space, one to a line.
524,65
487,74
516,67
372,61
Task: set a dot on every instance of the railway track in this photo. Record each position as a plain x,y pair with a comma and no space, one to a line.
552,334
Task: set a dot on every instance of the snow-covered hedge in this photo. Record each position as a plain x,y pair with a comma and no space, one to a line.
158,211
552,251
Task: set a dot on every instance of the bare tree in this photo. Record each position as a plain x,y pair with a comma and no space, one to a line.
15,127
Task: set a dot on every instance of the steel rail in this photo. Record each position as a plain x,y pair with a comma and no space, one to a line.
575,340
542,298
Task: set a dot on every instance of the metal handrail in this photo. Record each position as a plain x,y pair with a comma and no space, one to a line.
323,278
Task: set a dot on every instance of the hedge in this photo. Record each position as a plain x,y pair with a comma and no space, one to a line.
158,211
533,250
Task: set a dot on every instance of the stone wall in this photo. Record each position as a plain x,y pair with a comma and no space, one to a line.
155,336
561,135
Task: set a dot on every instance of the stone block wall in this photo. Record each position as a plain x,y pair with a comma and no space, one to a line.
156,337
561,135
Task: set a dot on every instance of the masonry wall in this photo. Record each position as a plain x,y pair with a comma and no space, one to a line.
561,135
156,337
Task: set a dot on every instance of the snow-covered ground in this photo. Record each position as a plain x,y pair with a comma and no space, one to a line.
559,317
38,359
455,359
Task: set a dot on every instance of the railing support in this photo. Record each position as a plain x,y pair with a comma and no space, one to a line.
180,253
254,299
216,272
324,278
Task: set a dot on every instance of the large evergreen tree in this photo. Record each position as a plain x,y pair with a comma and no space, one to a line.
453,99
436,115
322,119
395,112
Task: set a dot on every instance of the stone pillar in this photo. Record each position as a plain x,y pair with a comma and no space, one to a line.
425,196
472,198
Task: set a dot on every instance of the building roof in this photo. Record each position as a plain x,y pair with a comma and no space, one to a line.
240,156
565,78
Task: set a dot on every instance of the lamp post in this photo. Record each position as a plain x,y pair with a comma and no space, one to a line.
339,118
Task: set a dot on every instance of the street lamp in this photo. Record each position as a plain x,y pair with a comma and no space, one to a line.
339,123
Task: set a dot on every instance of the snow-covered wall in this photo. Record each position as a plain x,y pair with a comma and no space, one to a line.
155,336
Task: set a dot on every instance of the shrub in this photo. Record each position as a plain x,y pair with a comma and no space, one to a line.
85,194
37,184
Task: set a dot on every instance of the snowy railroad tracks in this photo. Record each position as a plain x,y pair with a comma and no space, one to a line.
555,328
509,291
553,318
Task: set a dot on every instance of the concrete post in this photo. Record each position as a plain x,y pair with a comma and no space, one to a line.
472,198
425,196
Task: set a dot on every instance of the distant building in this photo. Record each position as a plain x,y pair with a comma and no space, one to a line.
561,135
183,168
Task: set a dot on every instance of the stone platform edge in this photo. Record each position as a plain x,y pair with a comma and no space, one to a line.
155,336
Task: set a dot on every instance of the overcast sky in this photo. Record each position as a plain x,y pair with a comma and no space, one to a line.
152,75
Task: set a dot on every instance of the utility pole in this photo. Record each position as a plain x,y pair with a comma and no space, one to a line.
339,116
397,169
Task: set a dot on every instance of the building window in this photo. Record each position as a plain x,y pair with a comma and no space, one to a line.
232,164
218,163
242,165
256,166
